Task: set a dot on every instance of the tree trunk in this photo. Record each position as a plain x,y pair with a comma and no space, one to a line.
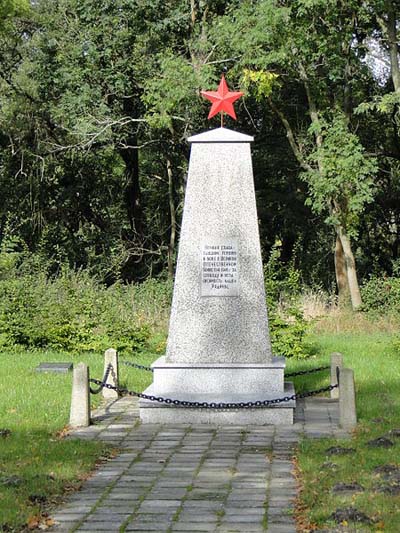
350,263
341,273
393,46
129,152
130,157
172,211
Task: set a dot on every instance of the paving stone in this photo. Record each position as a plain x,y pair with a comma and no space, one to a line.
247,494
281,519
153,517
75,508
202,504
124,496
87,530
244,519
159,504
252,511
193,517
167,493
238,528
193,526
144,526
281,528
278,511
160,463
100,526
68,517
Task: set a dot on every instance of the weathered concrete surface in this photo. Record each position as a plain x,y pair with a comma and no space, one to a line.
336,362
347,399
80,402
219,378
111,358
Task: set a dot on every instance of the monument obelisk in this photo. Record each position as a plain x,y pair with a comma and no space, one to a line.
218,346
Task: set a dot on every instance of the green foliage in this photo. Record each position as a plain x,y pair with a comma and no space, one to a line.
71,312
35,408
12,8
376,368
286,322
387,103
170,96
81,93
343,179
287,334
381,294
282,281
262,80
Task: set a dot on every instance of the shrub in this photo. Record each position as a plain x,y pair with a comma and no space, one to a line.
71,312
287,334
287,324
381,294
282,282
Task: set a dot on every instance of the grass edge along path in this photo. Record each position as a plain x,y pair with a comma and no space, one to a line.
376,497
37,466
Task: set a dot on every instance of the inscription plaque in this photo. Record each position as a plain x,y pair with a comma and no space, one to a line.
219,267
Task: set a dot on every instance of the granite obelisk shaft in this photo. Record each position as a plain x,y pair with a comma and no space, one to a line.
219,312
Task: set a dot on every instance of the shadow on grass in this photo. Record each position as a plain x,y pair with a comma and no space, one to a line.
37,468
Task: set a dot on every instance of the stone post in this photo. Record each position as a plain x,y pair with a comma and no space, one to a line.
347,399
111,357
336,361
80,400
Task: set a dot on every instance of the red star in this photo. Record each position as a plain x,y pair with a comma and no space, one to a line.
222,100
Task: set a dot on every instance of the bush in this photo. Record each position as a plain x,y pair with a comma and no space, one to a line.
287,324
282,282
74,312
381,294
287,334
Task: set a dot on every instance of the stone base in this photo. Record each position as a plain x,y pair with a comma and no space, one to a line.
160,413
218,382
218,378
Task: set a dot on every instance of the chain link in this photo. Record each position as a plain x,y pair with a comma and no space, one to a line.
291,374
103,382
309,371
214,405
136,365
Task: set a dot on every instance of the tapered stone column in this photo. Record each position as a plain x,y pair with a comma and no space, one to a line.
218,345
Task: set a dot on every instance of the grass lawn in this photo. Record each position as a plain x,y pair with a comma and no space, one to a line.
376,366
36,466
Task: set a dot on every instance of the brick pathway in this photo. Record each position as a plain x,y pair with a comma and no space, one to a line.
191,478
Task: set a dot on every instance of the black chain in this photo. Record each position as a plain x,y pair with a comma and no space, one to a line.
102,383
304,372
136,365
215,405
291,374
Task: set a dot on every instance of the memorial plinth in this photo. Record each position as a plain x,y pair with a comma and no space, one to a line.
218,346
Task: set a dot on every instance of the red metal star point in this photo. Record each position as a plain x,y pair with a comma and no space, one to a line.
222,100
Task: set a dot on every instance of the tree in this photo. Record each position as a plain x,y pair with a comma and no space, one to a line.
312,44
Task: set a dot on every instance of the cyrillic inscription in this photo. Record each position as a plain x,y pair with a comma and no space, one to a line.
219,267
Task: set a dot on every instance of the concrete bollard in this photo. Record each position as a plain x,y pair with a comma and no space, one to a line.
336,361
80,400
347,399
111,357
